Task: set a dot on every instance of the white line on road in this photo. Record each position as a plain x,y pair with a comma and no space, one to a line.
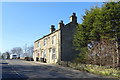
14,70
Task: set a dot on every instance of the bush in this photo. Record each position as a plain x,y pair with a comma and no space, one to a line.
101,70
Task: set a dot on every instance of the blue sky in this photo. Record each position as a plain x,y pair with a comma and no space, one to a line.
25,22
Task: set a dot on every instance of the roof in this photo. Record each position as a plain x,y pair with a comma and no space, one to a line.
53,32
47,35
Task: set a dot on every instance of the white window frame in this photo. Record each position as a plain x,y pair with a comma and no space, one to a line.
38,44
53,53
54,39
44,54
45,42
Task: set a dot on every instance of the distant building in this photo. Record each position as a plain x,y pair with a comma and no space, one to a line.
57,46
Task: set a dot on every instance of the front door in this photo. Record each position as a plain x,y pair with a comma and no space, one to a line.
50,55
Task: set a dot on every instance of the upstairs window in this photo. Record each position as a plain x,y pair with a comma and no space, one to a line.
38,44
45,42
53,39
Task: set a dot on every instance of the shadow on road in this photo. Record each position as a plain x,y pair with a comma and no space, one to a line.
25,71
8,73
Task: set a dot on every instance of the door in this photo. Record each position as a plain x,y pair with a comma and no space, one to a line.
50,55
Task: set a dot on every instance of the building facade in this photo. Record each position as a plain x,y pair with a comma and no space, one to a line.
57,45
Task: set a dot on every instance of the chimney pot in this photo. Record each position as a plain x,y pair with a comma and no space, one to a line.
73,18
52,29
74,14
60,24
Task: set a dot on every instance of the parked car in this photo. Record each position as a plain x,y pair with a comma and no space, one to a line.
28,59
13,56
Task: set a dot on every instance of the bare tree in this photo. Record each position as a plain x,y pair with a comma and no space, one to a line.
30,51
27,51
17,50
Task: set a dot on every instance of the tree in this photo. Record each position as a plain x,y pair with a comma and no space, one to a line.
30,51
83,56
3,55
6,55
0,54
98,23
17,50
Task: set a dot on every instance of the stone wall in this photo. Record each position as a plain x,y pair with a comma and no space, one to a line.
68,51
38,51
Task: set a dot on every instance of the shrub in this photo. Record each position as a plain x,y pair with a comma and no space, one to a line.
102,70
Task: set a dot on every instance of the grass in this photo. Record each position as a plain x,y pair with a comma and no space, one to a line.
101,70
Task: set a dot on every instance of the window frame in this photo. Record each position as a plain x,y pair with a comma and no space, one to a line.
53,53
45,42
54,39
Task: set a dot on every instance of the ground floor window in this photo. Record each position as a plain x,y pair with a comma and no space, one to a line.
53,53
44,54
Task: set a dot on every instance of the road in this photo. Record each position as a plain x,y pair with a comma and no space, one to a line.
30,70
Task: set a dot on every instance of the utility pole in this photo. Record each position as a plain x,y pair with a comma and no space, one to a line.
25,50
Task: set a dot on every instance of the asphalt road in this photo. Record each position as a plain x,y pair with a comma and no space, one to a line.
35,70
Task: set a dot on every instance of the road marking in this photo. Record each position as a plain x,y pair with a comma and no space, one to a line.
14,70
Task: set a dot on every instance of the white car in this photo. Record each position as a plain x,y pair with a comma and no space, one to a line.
13,56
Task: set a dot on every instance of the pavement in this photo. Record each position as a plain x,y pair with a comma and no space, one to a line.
35,70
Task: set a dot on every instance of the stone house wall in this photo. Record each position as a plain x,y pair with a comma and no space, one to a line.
39,51
64,49
67,33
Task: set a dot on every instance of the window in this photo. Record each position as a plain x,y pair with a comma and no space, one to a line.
53,54
38,44
45,42
53,39
44,53
38,53
50,50
14,55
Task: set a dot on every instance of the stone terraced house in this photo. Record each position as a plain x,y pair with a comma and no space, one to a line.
57,45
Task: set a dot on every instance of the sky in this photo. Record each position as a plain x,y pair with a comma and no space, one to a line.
25,22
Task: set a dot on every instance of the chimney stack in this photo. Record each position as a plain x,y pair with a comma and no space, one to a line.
73,18
52,29
60,24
